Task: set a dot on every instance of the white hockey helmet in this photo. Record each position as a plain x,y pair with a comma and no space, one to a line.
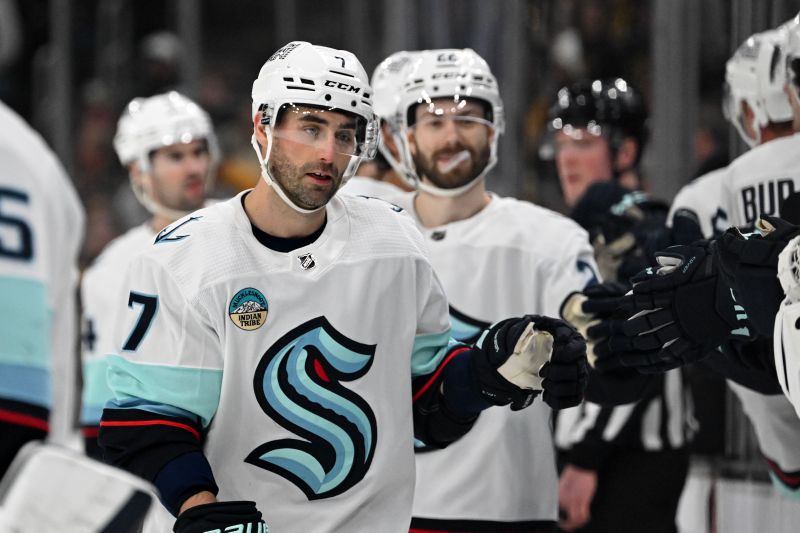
387,82
756,75
450,73
792,55
148,124
304,74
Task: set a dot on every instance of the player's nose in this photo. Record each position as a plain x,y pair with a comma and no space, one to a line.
326,149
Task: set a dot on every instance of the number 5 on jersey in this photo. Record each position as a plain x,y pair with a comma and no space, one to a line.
149,305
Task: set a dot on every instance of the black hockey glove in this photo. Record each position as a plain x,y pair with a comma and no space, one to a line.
517,358
221,516
749,264
596,313
681,311
567,373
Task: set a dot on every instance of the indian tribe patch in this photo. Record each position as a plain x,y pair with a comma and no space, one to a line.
248,309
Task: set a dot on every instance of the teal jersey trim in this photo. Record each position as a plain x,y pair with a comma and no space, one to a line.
195,390
25,323
25,384
783,489
429,351
96,391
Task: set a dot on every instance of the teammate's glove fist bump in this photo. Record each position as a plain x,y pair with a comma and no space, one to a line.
221,516
566,374
597,314
517,358
684,309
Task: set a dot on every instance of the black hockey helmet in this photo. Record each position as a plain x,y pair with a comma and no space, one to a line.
608,107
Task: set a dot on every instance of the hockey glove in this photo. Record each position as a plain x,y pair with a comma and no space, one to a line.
683,310
517,358
566,374
749,264
596,314
221,516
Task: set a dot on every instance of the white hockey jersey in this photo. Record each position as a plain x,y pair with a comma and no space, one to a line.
362,186
102,289
511,258
759,180
706,198
41,230
753,184
300,364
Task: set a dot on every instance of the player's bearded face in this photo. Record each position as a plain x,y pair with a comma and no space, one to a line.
450,142
310,153
179,176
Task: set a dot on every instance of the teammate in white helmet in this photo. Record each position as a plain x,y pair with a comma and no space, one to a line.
42,224
723,286
168,146
285,345
383,176
756,104
496,257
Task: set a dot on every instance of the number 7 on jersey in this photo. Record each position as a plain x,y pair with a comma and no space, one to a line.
149,305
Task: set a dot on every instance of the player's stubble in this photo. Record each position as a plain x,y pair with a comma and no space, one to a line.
290,178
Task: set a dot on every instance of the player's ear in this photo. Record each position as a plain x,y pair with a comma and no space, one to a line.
258,130
626,154
388,141
135,171
412,142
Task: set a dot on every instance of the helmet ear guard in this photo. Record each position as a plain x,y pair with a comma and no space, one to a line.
387,82
148,124
316,76
448,73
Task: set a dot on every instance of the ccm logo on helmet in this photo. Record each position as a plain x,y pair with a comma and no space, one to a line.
343,86
446,75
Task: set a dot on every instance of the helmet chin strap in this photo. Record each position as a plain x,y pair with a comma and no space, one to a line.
262,160
458,191
153,207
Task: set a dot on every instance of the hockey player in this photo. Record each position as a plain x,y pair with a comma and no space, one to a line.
496,257
384,175
168,145
42,224
585,152
599,133
692,288
310,328
756,104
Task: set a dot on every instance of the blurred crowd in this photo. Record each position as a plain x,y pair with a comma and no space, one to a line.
570,40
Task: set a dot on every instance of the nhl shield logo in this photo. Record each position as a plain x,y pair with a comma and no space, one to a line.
307,261
248,309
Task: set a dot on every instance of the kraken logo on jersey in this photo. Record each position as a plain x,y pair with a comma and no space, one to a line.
248,309
298,384
465,328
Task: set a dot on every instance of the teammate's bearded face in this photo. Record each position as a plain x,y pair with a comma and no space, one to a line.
581,159
310,153
179,175
450,142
